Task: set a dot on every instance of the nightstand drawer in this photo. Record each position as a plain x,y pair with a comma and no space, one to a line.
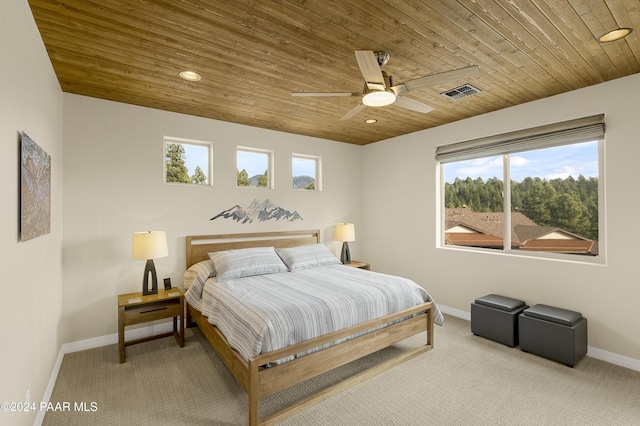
150,312
136,308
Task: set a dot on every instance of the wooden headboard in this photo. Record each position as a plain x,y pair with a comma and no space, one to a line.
199,245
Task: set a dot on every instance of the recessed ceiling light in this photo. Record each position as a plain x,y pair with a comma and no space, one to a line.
370,121
614,35
189,75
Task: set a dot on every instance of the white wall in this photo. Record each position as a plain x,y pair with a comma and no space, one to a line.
114,186
399,188
30,101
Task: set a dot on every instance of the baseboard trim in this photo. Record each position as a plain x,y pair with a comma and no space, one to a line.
613,358
593,352
96,342
455,312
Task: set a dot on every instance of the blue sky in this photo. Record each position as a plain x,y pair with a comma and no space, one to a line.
256,164
253,163
304,167
196,155
551,163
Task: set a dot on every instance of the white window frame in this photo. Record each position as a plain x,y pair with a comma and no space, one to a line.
318,171
564,133
209,145
270,166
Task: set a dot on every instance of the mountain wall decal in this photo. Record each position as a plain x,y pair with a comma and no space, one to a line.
260,211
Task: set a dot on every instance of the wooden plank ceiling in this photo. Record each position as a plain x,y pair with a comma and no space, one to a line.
253,53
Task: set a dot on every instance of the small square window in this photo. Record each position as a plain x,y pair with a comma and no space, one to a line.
188,162
254,168
305,172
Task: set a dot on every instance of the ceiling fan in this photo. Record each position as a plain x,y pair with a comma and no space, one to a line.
379,89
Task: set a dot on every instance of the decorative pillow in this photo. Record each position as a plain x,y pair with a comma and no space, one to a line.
231,264
196,276
302,257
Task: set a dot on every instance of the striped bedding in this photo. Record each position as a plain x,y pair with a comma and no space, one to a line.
266,312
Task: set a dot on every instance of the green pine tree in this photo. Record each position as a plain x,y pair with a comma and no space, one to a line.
176,169
243,178
263,181
198,176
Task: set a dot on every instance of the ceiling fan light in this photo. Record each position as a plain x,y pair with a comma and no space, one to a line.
379,98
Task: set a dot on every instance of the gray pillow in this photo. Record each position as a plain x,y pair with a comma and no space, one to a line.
231,264
302,257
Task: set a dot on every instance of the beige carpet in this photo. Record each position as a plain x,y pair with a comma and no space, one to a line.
464,380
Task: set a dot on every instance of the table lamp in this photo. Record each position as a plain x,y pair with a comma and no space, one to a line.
345,232
148,246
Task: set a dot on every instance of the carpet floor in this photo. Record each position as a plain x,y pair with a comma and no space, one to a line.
463,380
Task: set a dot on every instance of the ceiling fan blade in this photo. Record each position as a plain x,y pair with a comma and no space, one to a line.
412,104
370,69
353,111
325,94
435,79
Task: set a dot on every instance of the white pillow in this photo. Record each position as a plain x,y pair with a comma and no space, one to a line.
302,257
196,276
231,264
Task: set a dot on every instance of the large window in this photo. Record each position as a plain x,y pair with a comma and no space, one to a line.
254,168
187,162
538,190
306,172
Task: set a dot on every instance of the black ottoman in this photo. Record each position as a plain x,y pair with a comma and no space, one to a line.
557,334
496,318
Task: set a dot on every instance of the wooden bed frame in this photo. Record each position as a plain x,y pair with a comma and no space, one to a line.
260,382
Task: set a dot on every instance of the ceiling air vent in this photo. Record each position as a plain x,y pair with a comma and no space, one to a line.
461,92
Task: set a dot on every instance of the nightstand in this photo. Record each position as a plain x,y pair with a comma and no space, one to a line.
134,308
361,265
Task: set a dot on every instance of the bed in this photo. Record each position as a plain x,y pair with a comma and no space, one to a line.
264,370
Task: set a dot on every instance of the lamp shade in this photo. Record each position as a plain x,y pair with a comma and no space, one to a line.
345,232
149,245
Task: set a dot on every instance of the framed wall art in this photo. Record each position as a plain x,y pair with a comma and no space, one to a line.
35,190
